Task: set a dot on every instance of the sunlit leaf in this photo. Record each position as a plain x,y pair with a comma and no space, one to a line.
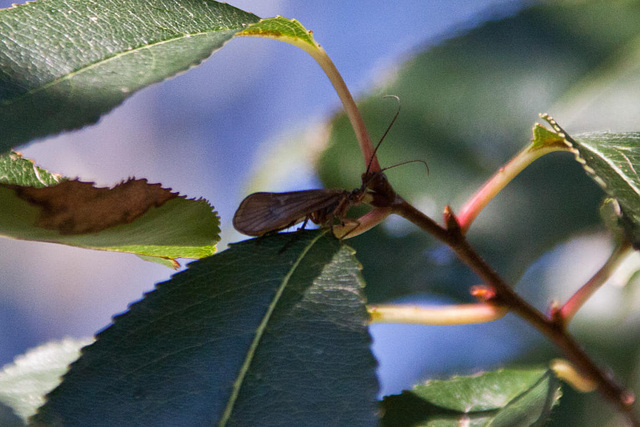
65,63
24,382
135,217
508,397
281,28
611,160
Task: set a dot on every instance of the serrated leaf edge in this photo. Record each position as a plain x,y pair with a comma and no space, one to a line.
133,50
572,145
253,30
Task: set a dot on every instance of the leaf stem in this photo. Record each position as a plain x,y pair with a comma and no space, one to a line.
504,296
500,179
462,314
350,108
571,307
568,373
362,224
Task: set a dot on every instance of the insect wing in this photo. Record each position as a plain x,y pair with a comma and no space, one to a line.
261,213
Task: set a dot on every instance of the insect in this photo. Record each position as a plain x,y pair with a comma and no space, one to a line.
262,213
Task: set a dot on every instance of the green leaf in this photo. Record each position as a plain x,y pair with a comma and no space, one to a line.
167,262
65,63
280,28
507,397
16,170
24,382
611,160
270,331
175,228
543,138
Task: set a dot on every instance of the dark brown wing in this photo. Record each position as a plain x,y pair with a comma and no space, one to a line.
261,213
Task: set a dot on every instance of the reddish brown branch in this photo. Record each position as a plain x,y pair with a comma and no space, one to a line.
504,296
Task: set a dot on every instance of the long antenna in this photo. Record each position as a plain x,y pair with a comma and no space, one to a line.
373,155
405,162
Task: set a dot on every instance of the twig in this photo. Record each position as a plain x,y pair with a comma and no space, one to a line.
350,108
461,314
504,296
500,179
564,314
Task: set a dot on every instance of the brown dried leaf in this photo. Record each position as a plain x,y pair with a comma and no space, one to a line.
75,207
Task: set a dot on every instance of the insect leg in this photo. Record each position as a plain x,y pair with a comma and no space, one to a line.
304,223
348,221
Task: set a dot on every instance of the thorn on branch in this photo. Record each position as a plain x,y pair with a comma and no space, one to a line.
484,293
556,316
451,221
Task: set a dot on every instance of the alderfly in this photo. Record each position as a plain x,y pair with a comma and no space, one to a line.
262,213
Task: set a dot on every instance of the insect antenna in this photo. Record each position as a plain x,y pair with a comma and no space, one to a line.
373,155
405,162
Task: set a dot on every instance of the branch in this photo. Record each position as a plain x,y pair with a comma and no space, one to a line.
503,295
